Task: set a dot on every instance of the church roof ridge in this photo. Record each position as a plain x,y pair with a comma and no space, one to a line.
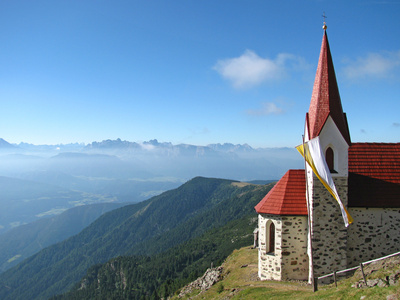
374,175
287,197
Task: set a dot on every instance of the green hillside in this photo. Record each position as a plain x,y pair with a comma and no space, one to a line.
149,227
239,280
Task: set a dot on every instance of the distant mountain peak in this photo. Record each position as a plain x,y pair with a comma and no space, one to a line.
118,143
5,144
156,143
153,142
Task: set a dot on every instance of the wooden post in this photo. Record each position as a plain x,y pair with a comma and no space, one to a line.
334,278
315,284
362,271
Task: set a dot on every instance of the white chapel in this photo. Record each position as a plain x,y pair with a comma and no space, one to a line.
300,242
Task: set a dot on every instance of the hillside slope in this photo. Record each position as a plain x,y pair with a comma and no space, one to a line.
239,280
26,240
159,276
153,226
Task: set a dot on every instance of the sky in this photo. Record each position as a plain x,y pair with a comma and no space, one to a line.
193,72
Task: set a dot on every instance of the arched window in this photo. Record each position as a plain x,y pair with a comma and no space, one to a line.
330,159
271,238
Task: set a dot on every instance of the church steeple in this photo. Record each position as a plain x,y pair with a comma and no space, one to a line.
325,119
325,100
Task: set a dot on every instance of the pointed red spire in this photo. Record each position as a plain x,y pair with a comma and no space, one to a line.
325,100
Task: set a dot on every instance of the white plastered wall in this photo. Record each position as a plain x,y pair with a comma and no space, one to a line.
330,136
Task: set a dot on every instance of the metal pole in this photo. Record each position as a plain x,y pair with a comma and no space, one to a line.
311,264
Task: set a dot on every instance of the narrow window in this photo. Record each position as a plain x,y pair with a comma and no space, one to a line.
271,238
330,159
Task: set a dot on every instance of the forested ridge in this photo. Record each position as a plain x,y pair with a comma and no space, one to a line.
147,229
162,275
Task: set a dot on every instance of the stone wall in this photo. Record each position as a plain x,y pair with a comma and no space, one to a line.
294,247
290,260
374,233
269,265
329,234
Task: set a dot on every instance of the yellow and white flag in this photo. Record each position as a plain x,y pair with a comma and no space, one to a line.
316,160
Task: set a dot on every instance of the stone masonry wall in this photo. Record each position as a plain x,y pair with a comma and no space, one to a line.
269,265
290,260
374,233
294,247
329,235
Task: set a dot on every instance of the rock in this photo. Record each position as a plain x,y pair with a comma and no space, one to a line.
392,297
210,277
394,278
372,282
382,283
359,284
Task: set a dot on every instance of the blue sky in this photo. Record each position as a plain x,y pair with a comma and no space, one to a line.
195,72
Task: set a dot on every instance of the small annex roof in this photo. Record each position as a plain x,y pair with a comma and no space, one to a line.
287,197
374,175
325,99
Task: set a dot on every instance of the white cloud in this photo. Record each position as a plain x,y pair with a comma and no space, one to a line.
375,65
249,69
267,108
148,147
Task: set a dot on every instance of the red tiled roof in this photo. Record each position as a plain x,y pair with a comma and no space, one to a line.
287,197
374,175
325,99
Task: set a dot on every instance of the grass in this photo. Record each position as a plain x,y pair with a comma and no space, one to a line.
14,258
240,281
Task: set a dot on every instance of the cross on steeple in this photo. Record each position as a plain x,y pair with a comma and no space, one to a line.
324,16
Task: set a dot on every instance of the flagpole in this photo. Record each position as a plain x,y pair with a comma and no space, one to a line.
310,252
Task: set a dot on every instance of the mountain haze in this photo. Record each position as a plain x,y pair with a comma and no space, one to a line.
161,159
119,171
25,240
24,201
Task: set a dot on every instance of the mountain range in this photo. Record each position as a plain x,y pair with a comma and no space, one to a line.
41,181
151,159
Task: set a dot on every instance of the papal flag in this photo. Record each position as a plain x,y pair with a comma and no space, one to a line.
316,160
